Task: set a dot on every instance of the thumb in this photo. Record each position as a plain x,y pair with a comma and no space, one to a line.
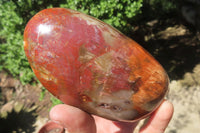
159,119
73,119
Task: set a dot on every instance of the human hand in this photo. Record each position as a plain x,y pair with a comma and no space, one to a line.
74,120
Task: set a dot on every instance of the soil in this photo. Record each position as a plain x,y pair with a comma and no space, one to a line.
22,111
185,95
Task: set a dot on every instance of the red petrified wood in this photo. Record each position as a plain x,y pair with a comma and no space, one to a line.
90,65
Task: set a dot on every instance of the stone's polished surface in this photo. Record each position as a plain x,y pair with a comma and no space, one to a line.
90,65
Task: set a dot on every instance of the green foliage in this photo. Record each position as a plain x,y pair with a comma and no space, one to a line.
42,94
12,55
118,13
55,101
165,6
14,14
158,8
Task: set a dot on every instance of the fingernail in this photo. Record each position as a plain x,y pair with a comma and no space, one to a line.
52,127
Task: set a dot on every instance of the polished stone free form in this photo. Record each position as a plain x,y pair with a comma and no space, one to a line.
90,65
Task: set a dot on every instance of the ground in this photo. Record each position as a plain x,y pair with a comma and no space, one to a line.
174,45
21,109
185,94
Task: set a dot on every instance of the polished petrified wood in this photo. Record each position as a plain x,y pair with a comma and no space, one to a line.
90,65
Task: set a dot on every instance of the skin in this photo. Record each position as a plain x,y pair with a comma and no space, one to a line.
75,120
